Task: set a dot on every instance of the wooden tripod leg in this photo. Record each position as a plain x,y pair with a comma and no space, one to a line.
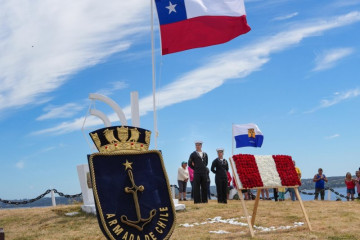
303,208
246,213
255,207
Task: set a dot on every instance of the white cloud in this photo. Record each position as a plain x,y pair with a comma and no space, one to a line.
43,42
113,88
347,3
249,1
330,58
338,97
285,17
66,111
292,111
332,136
69,126
47,149
235,64
71,109
20,164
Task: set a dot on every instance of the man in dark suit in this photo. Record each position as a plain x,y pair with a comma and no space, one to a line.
198,161
220,167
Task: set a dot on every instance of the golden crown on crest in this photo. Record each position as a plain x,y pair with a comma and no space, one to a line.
121,138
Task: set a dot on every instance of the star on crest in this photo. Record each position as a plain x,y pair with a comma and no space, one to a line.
127,165
171,7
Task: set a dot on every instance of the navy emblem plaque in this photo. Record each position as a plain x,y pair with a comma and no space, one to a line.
132,193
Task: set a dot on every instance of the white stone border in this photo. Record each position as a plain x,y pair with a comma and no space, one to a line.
233,221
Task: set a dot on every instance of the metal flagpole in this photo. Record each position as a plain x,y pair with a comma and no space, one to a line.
232,146
153,73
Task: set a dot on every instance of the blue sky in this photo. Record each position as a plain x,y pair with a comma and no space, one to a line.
295,74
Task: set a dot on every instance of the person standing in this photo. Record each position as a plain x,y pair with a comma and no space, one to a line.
208,183
320,180
183,177
281,192
198,161
191,178
276,194
357,181
265,192
350,186
229,179
220,167
292,190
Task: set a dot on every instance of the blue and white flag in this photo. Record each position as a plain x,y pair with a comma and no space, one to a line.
247,135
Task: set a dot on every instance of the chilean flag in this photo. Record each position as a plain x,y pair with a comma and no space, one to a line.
187,24
269,171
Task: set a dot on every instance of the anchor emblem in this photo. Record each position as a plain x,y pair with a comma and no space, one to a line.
140,222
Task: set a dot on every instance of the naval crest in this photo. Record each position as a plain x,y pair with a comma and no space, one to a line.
130,185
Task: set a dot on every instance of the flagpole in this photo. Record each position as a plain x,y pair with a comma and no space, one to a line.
232,145
153,73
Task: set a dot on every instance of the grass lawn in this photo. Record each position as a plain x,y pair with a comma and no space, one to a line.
329,220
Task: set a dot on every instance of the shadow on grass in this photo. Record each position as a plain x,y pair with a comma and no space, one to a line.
343,237
77,208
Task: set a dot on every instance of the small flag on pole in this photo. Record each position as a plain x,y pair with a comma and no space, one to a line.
247,135
187,24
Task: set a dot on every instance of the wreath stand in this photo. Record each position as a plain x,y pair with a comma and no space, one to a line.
252,220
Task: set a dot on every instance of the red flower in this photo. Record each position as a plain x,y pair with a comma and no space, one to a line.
247,170
286,170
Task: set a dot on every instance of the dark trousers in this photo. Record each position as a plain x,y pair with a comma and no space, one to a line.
192,189
221,187
275,194
200,182
322,193
208,190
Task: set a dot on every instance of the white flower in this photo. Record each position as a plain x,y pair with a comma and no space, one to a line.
268,172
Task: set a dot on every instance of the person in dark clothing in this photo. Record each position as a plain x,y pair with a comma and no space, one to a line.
220,167
276,195
198,161
208,183
320,179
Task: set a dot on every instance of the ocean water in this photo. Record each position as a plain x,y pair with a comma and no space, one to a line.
333,196
304,197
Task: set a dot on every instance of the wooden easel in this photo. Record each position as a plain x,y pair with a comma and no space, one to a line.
251,221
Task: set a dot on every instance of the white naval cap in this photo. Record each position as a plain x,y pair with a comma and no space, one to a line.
219,149
198,142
